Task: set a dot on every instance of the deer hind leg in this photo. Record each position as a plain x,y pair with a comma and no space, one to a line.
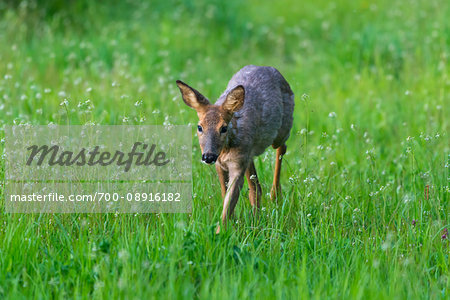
275,193
223,179
253,186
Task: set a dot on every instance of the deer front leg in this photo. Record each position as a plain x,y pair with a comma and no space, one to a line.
223,178
232,195
253,186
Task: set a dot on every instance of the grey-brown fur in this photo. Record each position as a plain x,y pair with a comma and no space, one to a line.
263,119
267,114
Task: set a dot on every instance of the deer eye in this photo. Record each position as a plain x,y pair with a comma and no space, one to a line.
199,128
223,129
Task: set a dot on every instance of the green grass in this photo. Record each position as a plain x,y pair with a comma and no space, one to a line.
370,133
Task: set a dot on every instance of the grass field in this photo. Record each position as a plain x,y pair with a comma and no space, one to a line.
371,132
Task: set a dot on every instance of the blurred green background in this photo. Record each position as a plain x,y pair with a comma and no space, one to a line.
372,88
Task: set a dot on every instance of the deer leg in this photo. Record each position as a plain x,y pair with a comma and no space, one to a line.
253,186
232,195
223,178
275,193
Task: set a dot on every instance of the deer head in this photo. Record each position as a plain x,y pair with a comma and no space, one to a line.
213,119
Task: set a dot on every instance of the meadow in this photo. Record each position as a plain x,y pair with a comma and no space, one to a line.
370,138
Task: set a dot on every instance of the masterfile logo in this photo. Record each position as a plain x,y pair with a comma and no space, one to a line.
98,168
91,158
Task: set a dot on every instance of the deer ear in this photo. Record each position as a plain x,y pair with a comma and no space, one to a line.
234,100
192,97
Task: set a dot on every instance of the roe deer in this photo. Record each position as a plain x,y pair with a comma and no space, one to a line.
254,112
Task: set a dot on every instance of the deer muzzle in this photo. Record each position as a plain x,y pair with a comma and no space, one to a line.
209,158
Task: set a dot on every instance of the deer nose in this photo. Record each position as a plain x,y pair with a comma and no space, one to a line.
209,158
